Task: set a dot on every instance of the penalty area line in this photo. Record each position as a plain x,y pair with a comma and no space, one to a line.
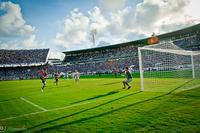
60,108
37,106
69,106
13,117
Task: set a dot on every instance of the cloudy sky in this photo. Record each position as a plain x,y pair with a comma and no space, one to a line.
64,25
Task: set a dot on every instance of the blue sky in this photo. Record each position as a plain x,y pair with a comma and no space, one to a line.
64,25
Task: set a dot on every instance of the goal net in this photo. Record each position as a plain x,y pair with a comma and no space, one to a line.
167,65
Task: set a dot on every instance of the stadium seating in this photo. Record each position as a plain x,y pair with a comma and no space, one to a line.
107,60
22,64
12,57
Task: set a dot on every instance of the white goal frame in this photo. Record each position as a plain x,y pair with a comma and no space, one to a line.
164,50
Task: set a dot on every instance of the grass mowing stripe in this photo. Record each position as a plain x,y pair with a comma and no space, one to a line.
9,99
37,106
88,102
190,88
73,105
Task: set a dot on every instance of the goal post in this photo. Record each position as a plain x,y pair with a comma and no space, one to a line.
166,64
141,70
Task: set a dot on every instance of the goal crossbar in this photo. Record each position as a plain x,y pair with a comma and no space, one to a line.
180,52
167,49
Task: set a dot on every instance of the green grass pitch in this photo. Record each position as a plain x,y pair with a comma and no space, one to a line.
99,105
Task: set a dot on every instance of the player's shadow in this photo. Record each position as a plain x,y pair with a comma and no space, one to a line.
112,83
60,86
102,114
98,96
83,110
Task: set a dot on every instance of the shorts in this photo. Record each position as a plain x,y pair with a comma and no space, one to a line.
43,80
128,80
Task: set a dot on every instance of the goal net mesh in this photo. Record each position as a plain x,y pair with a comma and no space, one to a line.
167,65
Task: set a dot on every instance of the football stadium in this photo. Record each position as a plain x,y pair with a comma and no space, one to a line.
144,85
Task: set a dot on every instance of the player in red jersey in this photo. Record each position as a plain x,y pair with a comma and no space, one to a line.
43,76
56,76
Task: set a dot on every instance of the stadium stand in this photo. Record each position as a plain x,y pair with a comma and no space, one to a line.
22,64
115,57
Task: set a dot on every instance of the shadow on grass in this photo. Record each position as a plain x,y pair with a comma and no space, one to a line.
102,114
59,86
113,83
9,99
98,96
82,110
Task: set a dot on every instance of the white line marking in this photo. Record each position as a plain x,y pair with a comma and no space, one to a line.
196,86
37,106
13,117
74,105
55,109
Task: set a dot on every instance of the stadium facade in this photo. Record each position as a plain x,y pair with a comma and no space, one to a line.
114,58
23,64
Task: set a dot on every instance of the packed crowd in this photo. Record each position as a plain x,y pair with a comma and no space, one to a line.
10,73
99,55
106,60
103,61
9,57
103,66
22,64
109,60
189,43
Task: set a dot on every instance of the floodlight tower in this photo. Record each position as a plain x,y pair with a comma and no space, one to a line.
93,34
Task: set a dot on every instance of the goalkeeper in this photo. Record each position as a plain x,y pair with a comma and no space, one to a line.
128,78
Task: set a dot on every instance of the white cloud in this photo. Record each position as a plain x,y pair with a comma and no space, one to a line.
125,23
74,31
192,11
29,42
14,32
32,42
77,30
114,21
12,22
158,16
153,15
98,21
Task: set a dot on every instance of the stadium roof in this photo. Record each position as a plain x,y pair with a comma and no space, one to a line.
140,42
107,47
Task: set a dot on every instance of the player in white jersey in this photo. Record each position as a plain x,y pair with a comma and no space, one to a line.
76,76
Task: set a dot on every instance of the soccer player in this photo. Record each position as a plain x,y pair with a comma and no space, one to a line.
43,76
128,78
56,76
131,68
66,75
76,76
